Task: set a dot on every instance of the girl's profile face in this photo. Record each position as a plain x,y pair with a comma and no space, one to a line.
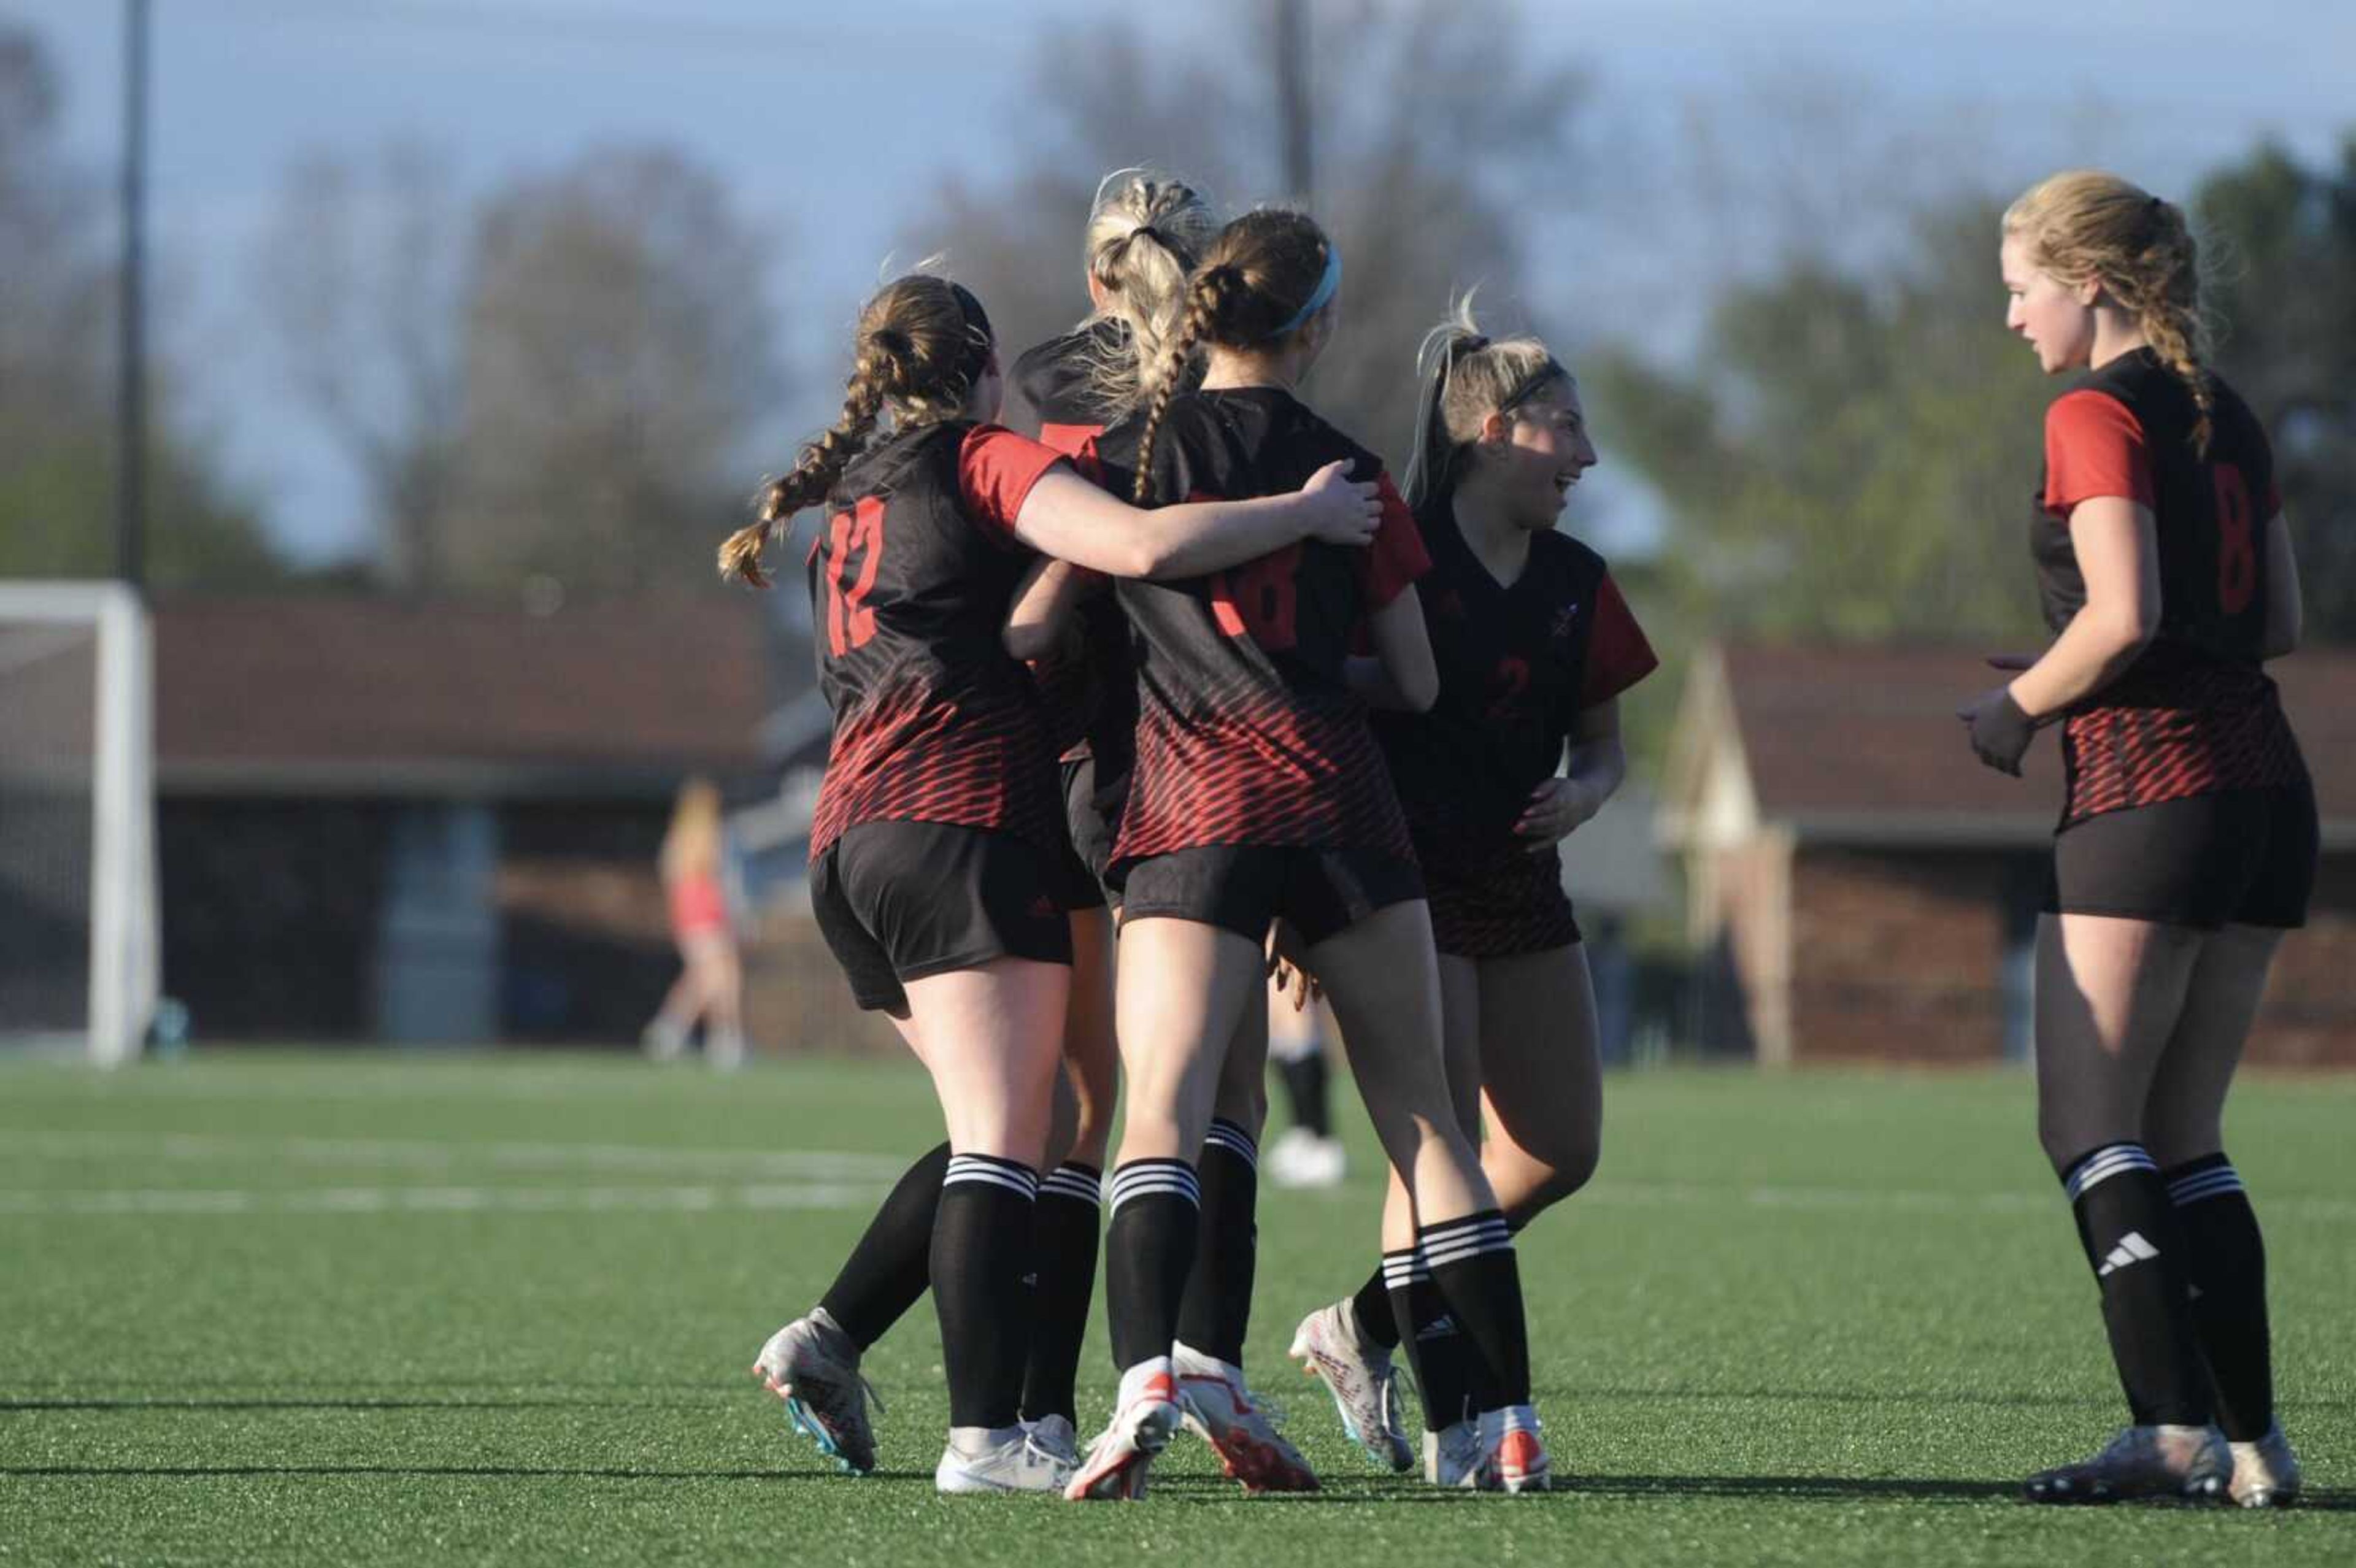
1538,453
2056,319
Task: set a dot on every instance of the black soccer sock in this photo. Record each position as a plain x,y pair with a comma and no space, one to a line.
1064,1270
2138,1252
1370,1308
2225,1259
888,1270
1428,1335
1215,1311
1148,1251
1472,1261
1307,1090
982,1251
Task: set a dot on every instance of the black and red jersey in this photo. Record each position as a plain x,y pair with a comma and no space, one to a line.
1517,663
910,576
2195,712
1246,732
1051,393
1088,689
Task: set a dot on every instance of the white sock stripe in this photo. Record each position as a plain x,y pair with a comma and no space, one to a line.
1067,1181
967,1170
2111,1159
1469,1222
1487,1237
1400,1270
1234,1140
1145,1178
1440,1257
2211,1183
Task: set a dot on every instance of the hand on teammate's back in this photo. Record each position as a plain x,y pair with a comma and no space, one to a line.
1556,806
1343,511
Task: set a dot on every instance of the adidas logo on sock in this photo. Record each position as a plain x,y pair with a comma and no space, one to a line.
1438,1329
2132,1249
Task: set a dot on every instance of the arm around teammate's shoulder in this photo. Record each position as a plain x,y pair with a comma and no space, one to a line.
1065,516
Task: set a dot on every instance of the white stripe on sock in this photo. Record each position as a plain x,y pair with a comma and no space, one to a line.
2111,1159
2205,1184
980,1169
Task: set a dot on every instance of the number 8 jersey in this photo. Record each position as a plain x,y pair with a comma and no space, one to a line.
2195,713
1246,731
910,576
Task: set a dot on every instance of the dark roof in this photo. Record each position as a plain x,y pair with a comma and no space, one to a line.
381,696
1833,733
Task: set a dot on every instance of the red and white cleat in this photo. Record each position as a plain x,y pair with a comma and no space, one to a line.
1118,1460
1513,1460
1217,1409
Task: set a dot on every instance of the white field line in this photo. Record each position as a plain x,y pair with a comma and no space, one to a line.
428,1154
357,1201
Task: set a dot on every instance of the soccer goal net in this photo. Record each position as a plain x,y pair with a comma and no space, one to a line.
78,946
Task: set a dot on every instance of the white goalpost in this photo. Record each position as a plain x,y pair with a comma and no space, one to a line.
79,956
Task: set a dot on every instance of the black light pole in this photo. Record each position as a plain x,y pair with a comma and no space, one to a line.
131,377
1292,97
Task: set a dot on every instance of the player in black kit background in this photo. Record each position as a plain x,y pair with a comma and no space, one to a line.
1258,794
2188,838
937,859
1534,645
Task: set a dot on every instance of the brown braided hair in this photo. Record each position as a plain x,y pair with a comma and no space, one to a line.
1256,276
2085,226
921,344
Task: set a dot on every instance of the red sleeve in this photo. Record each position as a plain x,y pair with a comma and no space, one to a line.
996,469
1069,439
1618,655
1396,557
2093,446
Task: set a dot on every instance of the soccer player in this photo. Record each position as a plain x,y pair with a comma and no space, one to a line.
2188,841
1258,794
1534,645
711,984
938,863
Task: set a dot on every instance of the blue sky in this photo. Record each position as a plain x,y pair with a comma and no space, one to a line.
770,96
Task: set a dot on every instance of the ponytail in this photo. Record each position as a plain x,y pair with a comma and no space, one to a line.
1466,376
1206,299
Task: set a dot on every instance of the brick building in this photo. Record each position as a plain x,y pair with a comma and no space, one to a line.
1858,886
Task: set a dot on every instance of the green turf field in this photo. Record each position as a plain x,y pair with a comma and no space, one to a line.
361,1310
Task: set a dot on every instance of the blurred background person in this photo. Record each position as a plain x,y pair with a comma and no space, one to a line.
710,989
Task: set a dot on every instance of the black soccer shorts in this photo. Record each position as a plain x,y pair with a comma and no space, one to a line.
1243,888
899,900
2243,857
1500,905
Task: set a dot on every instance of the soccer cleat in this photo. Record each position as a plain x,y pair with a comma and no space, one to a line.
2265,1473
663,1040
1117,1462
1362,1380
1512,1460
1009,1461
2189,1462
1216,1408
1298,1157
1452,1457
1054,1435
812,1365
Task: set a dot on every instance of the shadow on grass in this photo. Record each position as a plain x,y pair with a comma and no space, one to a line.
148,1404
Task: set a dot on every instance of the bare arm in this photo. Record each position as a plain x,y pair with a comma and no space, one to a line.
1595,764
1370,679
1065,516
1042,607
1403,649
2283,615
2118,556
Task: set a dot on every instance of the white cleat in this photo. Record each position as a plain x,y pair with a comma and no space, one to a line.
1298,1157
1452,1457
2265,1473
1216,1408
813,1366
1118,1460
2193,1463
1512,1459
1006,1460
1362,1380
1054,1435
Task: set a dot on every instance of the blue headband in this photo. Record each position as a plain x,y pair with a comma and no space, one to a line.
1320,295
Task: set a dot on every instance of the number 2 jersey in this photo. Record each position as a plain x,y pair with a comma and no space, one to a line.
2195,713
1517,664
911,577
1246,732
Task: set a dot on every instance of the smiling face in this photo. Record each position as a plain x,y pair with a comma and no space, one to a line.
1536,453
2057,319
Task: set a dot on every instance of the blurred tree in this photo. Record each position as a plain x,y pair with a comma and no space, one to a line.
2283,240
553,389
58,298
1434,137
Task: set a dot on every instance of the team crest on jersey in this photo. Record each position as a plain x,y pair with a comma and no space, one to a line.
1451,605
1563,619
